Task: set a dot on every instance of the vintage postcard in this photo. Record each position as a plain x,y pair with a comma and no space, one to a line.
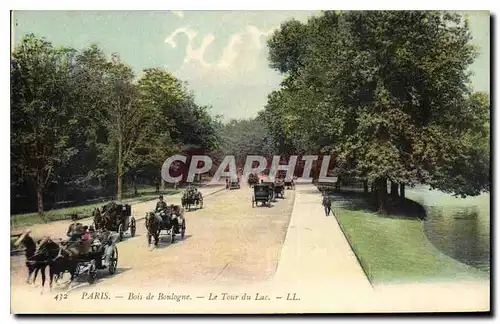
250,162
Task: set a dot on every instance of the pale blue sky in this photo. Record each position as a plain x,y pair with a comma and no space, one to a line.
222,54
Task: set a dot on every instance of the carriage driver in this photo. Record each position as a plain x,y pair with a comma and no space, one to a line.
161,205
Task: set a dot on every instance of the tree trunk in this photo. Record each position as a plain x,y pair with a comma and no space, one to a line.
337,184
134,179
394,189
382,195
365,186
402,190
163,184
39,199
119,171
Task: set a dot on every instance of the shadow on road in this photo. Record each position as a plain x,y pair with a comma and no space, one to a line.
164,240
82,280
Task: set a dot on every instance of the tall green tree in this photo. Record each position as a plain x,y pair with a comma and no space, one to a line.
387,93
43,111
126,119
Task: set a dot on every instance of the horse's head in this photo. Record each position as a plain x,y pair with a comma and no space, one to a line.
47,247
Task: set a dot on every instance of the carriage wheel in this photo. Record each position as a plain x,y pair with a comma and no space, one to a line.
113,261
183,229
132,227
120,231
92,272
172,235
269,203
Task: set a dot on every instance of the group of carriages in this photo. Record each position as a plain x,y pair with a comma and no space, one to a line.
267,191
89,248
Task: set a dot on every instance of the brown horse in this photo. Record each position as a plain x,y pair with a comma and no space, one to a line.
102,220
153,224
60,260
53,255
32,257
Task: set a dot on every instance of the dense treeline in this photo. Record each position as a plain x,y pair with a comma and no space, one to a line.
387,94
84,122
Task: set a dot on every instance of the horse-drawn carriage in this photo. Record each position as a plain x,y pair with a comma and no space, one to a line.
115,217
192,197
262,193
170,220
234,184
289,184
279,189
91,255
253,179
272,186
76,255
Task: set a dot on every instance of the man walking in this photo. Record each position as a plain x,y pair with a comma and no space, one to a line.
327,204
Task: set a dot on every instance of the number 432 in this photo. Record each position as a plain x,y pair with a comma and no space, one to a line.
59,297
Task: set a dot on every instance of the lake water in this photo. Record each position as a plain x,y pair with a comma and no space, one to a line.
458,227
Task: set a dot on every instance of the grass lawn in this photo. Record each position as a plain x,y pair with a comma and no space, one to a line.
145,194
395,250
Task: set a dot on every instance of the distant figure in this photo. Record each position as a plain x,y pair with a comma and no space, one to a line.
227,183
157,185
327,203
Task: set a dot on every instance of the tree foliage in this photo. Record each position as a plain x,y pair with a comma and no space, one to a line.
387,93
81,119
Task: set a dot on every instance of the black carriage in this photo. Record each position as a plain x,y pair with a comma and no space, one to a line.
271,185
120,219
92,254
234,184
192,198
290,184
279,189
261,193
173,222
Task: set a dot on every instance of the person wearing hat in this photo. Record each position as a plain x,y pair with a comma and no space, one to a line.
161,205
327,204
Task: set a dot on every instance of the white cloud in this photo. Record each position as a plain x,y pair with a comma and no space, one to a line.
178,13
238,81
238,58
